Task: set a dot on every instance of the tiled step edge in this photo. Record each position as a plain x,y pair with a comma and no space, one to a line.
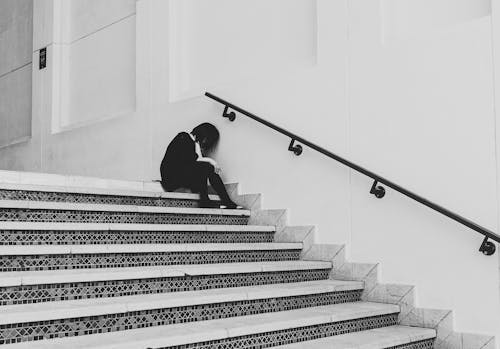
50,179
64,206
385,337
19,250
99,307
102,191
25,278
216,330
123,227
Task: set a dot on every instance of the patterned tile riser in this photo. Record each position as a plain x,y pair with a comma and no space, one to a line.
115,260
35,215
13,333
37,237
294,335
72,291
276,339
94,199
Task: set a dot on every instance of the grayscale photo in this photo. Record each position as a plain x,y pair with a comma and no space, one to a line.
249,174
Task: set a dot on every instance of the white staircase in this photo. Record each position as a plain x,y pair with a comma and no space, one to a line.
84,264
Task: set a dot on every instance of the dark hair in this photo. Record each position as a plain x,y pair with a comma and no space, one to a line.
207,135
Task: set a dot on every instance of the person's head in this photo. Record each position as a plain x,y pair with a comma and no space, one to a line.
206,135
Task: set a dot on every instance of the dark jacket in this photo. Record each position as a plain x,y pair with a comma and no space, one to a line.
180,158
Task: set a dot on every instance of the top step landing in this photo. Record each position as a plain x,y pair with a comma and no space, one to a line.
80,182
52,187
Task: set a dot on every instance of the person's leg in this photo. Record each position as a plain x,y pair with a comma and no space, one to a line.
220,188
201,172
206,171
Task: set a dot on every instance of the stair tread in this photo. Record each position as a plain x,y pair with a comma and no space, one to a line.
10,314
71,206
103,191
71,181
22,250
384,337
9,279
133,227
179,334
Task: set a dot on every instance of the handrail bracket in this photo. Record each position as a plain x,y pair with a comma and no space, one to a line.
487,247
296,149
377,190
231,115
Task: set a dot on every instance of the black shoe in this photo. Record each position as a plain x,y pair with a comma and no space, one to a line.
208,204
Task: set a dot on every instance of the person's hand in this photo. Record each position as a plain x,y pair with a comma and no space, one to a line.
217,170
212,162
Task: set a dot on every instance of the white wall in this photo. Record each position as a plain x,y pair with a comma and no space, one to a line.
413,102
16,46
422,114
91,103
98,50
496,56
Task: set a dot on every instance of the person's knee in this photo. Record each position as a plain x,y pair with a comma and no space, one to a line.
207,168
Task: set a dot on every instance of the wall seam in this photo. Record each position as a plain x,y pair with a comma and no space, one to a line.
100,29
495,133
16,69
349,117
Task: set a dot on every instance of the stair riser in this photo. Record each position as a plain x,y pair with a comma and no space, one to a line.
114,260
37,215
101,289
273,339
58,237
138,319
25,195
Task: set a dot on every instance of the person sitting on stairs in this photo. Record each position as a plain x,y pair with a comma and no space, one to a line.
185,166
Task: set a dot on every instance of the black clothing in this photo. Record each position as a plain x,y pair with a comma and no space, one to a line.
178,164
180,169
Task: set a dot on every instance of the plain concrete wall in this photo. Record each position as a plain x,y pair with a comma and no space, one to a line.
421,113
16,46
90,105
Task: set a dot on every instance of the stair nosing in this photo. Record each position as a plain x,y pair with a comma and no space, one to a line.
62,276
25,250
15,225
65,206
348,341
60,310
103,191
208,330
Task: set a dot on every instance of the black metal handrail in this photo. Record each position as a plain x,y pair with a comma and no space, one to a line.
487,247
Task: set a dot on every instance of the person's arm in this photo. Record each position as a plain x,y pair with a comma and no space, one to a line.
181,149
209,160
202,158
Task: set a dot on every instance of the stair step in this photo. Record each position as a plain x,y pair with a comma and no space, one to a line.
83,317
23,178
385,337
48,250
51,193
52,257
25,278
40,211
60,285
132,227
54,233
105,306
271,328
